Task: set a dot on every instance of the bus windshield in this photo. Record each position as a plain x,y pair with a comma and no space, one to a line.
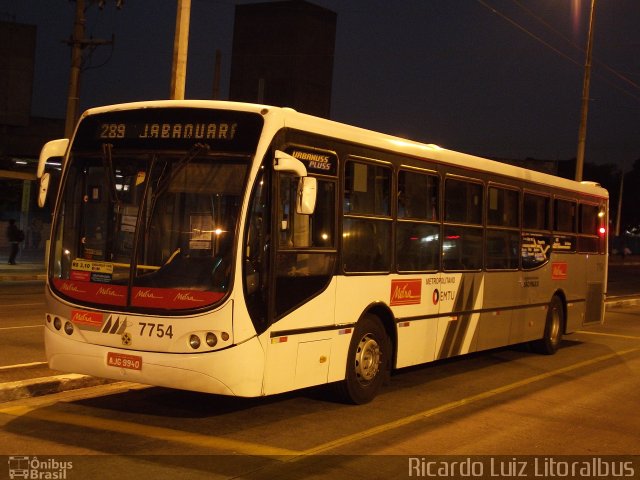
148,228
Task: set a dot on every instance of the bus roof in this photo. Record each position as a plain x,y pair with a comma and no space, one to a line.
290,118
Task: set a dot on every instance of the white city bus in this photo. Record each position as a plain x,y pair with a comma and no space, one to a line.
248,250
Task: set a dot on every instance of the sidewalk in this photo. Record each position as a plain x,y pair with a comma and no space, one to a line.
30,270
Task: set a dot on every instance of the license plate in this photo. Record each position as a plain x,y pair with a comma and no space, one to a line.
122,360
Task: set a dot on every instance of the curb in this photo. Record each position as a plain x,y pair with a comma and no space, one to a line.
622,301
41,277
36,387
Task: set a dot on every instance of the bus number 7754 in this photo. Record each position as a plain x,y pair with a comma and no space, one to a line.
159,329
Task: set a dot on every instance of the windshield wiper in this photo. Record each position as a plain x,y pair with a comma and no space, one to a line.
164,180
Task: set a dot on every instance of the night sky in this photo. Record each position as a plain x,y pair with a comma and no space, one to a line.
465,74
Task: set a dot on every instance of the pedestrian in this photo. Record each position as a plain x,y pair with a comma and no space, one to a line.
15,236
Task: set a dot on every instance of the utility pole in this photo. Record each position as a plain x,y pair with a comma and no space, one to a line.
78,43
180,49
582,131
73,96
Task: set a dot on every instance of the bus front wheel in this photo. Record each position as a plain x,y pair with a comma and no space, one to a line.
368,361
554,326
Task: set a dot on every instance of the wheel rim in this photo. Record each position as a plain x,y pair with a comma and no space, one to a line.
368,359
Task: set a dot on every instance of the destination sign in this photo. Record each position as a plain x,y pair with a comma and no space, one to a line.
170,128
179,130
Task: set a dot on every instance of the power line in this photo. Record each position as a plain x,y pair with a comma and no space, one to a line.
576,46
562,54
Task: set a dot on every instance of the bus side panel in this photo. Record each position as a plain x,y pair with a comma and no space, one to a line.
569,275
595,289
458,328
416,297
299,359
501,293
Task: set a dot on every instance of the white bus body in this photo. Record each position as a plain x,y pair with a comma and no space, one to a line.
179,256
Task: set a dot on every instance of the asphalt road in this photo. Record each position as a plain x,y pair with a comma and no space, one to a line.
504,408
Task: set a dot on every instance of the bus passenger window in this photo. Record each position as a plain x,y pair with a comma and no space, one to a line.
536,212
417,196
565,216
503,249
367,189
463,202
462,248
366,245
589,239
503,209
417,246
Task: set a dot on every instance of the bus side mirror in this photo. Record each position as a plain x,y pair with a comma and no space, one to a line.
54,148
307,186
306,201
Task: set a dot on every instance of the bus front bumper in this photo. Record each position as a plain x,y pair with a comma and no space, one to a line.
236,371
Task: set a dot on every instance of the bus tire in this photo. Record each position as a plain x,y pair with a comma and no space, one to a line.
549,343
368,362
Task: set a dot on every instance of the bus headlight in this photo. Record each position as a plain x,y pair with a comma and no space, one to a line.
57,323
212,340
194,342
68,328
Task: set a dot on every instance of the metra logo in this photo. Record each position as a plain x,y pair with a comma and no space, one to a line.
108,292
147,294
406,292
559,270
81,317
71,287
186,297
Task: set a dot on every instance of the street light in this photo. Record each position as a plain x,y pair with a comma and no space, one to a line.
582,131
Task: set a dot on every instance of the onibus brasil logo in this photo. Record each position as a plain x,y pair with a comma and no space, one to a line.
40,469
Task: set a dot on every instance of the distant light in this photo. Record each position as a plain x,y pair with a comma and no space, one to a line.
20,162
602,230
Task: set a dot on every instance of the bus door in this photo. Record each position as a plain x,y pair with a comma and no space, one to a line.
304,294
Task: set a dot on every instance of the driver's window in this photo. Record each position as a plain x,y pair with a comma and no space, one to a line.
306,231
306,245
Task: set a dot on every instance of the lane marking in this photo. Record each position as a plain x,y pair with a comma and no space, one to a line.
147,431
370,432
23,326
22,365
632,337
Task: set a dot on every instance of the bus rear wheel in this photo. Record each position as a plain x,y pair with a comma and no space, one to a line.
554,326
368,362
